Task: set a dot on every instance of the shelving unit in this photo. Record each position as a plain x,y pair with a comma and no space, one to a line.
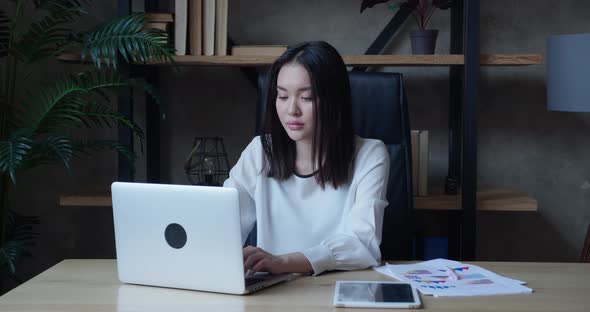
464,62
352,60
491,199
488,199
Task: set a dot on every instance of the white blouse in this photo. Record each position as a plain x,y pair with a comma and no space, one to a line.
335,229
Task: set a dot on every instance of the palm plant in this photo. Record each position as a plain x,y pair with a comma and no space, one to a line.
36,122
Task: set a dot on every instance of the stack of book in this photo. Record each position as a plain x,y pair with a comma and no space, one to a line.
258,50
161,21
200,27
419,142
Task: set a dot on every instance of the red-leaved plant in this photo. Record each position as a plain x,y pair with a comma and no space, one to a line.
421,9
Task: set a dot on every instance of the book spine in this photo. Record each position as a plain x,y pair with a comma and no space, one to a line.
196,27
208,27
423,163
180,26
221,12
414,146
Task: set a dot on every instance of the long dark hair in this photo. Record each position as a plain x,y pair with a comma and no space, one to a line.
333,136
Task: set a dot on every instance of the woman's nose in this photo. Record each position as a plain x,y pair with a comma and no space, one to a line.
293,108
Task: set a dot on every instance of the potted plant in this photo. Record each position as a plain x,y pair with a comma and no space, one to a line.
38,121
423,40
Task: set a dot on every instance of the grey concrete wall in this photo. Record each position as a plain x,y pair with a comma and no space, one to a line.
521,144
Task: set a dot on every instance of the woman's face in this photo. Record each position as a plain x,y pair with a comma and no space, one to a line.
294,102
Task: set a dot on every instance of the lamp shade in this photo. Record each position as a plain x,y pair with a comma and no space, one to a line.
568,72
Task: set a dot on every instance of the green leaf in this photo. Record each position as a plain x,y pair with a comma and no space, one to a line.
87,146
127,36
49,150
393,6
151,91
56,6
73,102
59,106
20,236
62,149
49,36
104,116
8,253
63,104
13,152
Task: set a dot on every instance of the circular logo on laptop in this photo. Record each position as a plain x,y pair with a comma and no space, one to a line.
175,235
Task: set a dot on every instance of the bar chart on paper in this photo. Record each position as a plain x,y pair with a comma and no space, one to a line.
446,278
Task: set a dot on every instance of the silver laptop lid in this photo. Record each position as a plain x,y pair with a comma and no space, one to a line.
178,236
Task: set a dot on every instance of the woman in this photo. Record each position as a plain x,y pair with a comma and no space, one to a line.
315,190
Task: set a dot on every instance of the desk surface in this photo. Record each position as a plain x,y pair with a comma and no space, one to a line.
92,285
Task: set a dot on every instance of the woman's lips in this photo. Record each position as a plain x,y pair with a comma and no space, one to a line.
295,125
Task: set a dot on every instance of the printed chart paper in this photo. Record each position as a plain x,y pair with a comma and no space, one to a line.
433,278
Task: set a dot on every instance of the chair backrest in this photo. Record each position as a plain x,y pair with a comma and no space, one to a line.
585,253
380,111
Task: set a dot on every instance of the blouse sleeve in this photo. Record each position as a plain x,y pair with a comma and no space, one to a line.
243,177
356,245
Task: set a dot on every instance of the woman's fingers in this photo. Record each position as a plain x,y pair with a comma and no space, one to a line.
263,265
253,257
248,250
258,260
252,260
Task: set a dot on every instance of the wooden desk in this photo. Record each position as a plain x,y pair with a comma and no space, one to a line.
92,285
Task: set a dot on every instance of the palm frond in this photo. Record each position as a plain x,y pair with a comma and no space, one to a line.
151,91
13,152
4,33
10,252
20,237
48,37
55,6
87,146
128,37
58,106
104,116
62,105
64,149
49,150
66,103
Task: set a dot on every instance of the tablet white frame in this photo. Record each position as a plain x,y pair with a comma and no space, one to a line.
364,304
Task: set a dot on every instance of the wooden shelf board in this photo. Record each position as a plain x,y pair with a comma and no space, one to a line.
352,60
496,199
492,199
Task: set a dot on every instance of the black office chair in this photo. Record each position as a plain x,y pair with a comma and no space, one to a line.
380,111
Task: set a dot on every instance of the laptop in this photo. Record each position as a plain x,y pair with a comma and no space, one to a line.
182,236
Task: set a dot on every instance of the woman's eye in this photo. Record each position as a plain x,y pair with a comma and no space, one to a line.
308,99
282,98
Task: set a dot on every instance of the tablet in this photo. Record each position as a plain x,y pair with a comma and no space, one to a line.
375,294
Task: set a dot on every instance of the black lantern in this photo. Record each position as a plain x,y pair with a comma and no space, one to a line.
207,162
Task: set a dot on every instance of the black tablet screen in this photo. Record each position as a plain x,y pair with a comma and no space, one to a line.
375,292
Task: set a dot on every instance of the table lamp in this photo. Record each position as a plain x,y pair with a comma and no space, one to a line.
207,162
568,73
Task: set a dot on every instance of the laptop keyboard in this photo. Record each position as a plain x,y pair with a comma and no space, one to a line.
254,280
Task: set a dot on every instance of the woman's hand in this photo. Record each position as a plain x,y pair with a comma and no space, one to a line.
258,260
